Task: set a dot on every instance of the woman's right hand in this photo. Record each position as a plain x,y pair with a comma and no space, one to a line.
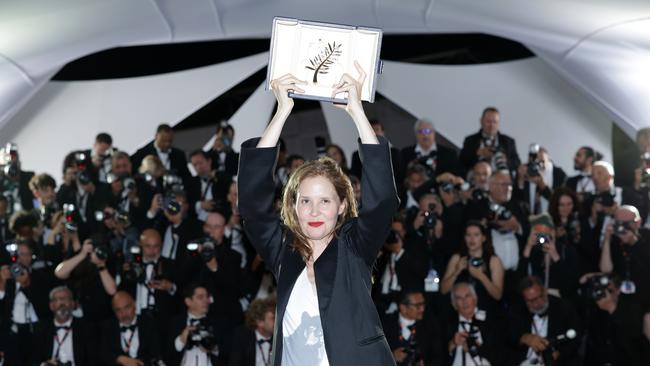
281,87
461,265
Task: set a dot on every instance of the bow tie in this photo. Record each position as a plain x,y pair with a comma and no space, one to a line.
205,179
542,314
195,321
129,327
65,327
151,263
262,341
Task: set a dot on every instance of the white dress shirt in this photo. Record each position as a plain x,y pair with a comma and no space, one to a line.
463,326
144,295
170,242
193,356
164,156
389,281
547,174
23,311
206,195
130,340
506,247
262,350
62,349
539,327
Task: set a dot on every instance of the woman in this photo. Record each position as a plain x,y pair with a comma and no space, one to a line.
476,263
563,208
334,152
321,252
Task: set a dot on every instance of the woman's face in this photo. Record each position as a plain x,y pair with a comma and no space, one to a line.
565,206
334,154
318,207
474,238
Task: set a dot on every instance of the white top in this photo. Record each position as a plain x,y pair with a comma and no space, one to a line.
303,342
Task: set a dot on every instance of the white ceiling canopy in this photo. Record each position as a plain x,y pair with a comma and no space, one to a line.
601,47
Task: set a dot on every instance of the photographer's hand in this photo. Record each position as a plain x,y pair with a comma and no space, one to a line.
537,343
530,243
538,180
162,285
550,249
186,333
399,354
212,264
208,205
156,203
511,224
484,152
419,220
459,340
128,361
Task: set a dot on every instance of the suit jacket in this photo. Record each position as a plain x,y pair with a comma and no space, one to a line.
428,337
492,347
230,164
411,268
219,188
177,160
446,160
471,144
244,347
561,317
83,342
523,194
351,325
150,346
96,201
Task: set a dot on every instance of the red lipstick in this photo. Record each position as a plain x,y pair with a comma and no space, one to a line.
315,223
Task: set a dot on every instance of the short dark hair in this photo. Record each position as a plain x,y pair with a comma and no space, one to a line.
190,289
105,138
528,282
489,109
164,128
293,157
405,296
200,152
21,219
590,152
225,127
41,181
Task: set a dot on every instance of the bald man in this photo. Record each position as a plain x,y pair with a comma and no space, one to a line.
626,252
129,339
155,289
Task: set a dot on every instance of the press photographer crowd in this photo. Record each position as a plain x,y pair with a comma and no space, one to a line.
491,260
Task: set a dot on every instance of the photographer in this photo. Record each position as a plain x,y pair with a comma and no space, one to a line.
150,279
177,228
479,180
129,193
547,331
5,233
23,301
626,252
171,158
424,232
476,263
490,145
437,159
88,275
617,327
473,336
195,337
414,339
121,235
537,179
14,182
129,340
207,190
98,159
252,344
548,258
224,158
582,184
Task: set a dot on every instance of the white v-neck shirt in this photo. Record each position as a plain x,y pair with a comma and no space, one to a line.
303,342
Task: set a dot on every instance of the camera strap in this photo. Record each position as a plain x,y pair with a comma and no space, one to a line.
208,185
266,356
126,344
59,343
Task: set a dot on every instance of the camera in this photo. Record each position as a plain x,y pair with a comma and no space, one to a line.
83,175
119,216
172,185
68,213
202,336
645,167
621,227
606,199
207,247
430,217
542,238
100,249
479,195
128,183
392,237
429,163
136,271
46,212
533,166
596,287
499,160
476,261
17,270
498,212
472,341
9,165
447,187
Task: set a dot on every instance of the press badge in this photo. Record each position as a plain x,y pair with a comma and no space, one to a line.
432,281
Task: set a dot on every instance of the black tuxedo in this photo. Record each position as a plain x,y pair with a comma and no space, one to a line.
472,143
150,346
561,317
410,269
523,194
189,229
428,337
244,347
446,160
24,192
177,160
230,164
83,342
351,326
219,186
37,294
492,347
176,326
96,201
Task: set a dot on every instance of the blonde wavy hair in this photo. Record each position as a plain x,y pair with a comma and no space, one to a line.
326,168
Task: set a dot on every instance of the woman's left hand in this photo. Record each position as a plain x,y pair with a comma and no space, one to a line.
353,87
476,272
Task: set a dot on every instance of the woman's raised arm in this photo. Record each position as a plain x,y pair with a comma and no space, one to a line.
280,87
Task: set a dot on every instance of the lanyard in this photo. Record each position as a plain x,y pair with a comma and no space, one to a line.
59,344
128,342
208,184
267,361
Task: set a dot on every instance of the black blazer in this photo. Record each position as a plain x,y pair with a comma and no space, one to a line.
351,325
493,345
468,155
244,349
25,193
149,341
177,160
83,342
37,294
219,188
523,194
428,337
561,317
230,164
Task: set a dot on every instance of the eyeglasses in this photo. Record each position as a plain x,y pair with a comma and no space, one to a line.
425,131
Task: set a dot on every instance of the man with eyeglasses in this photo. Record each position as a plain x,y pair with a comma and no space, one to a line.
413,338
436,158
490,145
